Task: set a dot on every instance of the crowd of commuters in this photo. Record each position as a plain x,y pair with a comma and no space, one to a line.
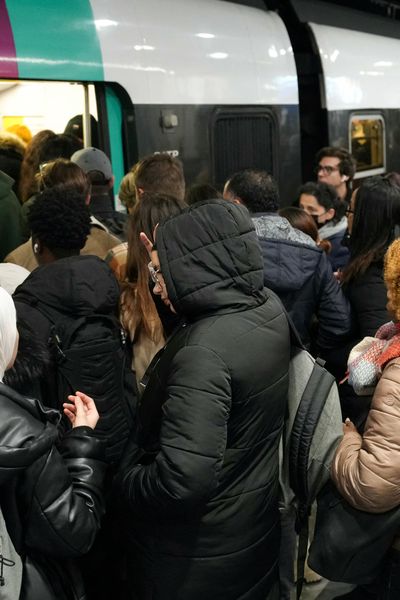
165,485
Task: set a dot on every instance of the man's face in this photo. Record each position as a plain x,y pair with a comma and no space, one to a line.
319,213
159,284
328,171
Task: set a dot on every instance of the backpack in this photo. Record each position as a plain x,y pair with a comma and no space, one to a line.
312,431
90,354
10,565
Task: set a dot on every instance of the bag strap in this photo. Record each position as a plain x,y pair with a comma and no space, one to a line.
301,557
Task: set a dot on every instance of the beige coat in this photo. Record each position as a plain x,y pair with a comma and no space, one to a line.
366,469
98,243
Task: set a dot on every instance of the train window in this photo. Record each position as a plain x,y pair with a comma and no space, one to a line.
367,144
241,139
49,105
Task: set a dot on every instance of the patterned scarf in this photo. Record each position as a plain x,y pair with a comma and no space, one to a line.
368,359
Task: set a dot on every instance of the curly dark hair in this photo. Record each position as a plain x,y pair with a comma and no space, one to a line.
60,219
256,189
347,164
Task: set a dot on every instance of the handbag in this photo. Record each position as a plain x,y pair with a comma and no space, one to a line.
350,545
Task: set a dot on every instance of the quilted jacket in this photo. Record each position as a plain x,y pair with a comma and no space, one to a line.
203,493
366,469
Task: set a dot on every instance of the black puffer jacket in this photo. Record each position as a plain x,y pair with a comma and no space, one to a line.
204,498
51,498
300,274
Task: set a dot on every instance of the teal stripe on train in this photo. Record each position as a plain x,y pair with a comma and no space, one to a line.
56,40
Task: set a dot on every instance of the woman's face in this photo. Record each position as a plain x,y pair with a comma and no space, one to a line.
350,211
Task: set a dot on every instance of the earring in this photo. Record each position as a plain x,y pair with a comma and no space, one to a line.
36,248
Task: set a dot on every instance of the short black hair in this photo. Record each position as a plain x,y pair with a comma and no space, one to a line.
60,219
256,189
325,195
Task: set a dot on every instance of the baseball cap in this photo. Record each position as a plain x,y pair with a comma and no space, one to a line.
93,159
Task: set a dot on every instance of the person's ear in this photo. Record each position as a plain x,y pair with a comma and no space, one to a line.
36,248
331,213
345,178
139,192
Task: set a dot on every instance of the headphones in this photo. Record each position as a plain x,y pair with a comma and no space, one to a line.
36,248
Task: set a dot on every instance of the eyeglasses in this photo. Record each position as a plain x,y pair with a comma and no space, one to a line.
327,169
153,273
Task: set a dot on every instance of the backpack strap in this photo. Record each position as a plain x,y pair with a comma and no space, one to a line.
306,420
302,557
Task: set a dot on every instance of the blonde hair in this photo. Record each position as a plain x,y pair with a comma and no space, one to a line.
127,190
392,277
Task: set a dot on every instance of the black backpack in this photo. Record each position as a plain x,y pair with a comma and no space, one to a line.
90,354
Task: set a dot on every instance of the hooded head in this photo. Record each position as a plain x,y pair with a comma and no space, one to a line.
8,331
210,259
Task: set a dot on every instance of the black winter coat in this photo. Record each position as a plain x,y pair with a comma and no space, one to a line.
300,274
82,286
204,496
51,498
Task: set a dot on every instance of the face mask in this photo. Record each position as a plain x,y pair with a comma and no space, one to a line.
318,224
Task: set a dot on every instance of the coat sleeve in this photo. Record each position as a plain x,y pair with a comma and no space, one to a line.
366,469
192,438
333,308
65,496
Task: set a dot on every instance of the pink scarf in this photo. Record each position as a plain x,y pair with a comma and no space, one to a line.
368,358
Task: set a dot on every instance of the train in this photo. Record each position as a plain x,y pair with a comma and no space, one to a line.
221,84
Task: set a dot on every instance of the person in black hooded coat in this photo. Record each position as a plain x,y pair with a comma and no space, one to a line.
202,480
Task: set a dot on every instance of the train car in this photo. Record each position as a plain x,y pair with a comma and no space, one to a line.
223,85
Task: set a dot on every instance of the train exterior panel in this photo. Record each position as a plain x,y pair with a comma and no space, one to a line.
221,85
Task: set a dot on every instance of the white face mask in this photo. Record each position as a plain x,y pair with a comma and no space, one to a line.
8,330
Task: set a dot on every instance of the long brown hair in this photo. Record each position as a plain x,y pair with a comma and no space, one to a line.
376,212
138,311
30,164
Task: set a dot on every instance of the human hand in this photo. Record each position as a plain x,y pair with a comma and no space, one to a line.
146,242
338,275
349,427
81,410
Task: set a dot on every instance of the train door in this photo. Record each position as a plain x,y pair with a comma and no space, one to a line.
93,112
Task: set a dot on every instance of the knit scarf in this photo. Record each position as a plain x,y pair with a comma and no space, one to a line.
368,358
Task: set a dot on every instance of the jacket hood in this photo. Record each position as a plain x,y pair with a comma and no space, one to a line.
77,285
290,256
210,259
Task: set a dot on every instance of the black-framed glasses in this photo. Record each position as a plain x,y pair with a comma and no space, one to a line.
327,169
154,273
